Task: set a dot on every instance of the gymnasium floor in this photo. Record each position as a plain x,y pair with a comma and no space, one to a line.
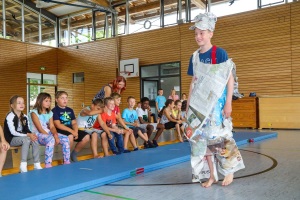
271,172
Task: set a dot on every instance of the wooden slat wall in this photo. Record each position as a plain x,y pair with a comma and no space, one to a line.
98,61
153,47
295,42
16,59
38,56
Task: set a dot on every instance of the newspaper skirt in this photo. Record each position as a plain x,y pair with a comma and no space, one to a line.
215,139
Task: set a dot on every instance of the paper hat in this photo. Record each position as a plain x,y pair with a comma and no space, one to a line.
206,21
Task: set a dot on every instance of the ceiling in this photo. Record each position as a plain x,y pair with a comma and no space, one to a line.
138,10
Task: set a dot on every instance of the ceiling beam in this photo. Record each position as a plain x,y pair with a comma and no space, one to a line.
199,3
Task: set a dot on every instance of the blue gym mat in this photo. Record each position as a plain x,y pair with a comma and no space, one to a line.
65,180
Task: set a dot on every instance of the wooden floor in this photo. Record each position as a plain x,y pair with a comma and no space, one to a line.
271,173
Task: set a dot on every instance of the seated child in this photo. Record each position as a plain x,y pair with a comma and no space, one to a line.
4,147
17,133
131,119
144,116
41,123
176,114
127,132
65,123
109,117
86,119
167,121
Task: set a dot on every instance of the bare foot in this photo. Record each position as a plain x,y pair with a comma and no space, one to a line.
209,182
227,180
98,156
180,138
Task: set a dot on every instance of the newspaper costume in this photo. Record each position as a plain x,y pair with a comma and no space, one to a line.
208,132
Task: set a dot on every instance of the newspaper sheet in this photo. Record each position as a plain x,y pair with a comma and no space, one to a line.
209,84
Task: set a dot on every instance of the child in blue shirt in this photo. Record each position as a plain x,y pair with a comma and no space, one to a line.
131,120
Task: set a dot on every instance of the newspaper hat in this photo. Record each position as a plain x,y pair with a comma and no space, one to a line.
206,21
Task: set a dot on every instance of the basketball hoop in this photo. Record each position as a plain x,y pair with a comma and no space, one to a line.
125,73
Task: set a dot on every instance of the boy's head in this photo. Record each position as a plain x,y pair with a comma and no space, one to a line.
206,21
183,96
145,103
131,101
97,104
204,28
117,98
109,103
160,92
139,105
61,98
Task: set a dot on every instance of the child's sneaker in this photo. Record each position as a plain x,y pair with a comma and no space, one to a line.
126,151
150,145
146,146
155,143
116,153
48,165
136,149
23,167
37,166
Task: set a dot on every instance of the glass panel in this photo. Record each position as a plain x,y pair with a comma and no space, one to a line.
13,20
31,26
150,89
81,28
1,22
267,3
78,77
222,9
170,69
48,33
149,71
34,90
34,78
49,79
169,83
100,20
63,32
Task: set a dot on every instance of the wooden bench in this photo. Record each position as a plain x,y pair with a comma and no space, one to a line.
16,156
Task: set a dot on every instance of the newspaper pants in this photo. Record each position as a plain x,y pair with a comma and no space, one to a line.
224,154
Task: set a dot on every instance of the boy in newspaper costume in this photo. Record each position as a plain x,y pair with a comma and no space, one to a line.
209,108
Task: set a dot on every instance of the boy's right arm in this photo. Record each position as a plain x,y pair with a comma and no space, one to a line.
87,112
104,126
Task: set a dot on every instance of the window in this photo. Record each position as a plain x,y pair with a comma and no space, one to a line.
78,77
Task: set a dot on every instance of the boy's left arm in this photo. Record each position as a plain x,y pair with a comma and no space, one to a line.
228,104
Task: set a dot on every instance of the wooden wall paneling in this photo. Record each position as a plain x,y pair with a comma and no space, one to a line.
38,55
295,40
13,74
151,47
279,112
255,40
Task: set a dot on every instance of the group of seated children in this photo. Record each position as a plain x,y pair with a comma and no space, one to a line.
102,119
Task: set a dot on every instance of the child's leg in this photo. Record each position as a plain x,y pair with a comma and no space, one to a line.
144,136
94,147
104,143
65,143
48,141
112,144
35,151
2,159
25,143
177,126
71,141
119,140
211,179
82,140
160,128
149,129
132,140
126,138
